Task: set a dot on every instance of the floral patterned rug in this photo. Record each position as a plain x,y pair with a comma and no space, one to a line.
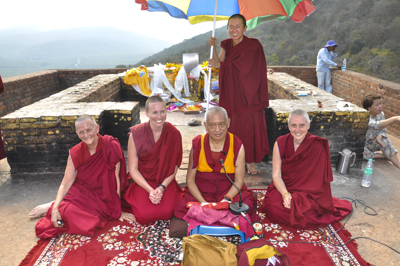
123,243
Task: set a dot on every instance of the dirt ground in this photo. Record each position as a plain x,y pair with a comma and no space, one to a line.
18,197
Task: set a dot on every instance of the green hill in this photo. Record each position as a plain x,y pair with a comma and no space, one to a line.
367,32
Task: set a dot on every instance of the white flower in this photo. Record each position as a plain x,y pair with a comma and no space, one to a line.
109,246
116,228
121,260
282,244
267,228
305,234
275,226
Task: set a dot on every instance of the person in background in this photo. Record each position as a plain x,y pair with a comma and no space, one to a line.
376,139
243,89
325,59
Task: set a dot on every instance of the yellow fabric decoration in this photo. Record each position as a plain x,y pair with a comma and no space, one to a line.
229,163
138,76
236,226
193,108
263,252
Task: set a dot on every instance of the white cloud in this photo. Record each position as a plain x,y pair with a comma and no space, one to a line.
124,14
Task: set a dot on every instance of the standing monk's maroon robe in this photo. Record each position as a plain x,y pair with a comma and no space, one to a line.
157,161
243,90
92,200
307,174
2,152
215,185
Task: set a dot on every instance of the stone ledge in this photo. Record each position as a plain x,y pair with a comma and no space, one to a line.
37,137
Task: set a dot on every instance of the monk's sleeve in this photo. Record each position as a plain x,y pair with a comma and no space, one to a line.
117,155
252,69
196,146
177,151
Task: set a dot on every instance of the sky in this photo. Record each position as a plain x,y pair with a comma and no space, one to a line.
122,14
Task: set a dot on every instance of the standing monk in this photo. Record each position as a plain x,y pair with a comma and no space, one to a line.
243,88
89,194
300,194
154,155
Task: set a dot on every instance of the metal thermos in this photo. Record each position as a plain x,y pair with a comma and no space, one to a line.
344,162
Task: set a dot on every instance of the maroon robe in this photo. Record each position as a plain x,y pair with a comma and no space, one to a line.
243,90
157,161
1,85
214,186
307,174
2,152
92,200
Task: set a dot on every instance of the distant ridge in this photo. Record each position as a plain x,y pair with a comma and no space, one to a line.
25,50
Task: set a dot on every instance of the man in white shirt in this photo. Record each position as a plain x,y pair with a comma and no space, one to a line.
324,62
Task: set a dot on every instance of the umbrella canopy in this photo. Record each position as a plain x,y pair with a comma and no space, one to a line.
255,11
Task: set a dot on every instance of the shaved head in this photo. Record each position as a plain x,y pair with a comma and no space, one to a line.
84,118
153,99
299,112
216,110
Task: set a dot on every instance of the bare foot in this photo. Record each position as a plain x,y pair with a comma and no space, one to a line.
39,211
251,169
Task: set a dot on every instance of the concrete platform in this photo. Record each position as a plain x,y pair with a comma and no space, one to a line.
18,197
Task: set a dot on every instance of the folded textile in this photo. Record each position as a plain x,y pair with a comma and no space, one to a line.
211,205
259,253
198,215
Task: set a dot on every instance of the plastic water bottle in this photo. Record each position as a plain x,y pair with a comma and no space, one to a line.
366,182
344,65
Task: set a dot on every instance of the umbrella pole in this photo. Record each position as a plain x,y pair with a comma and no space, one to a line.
211,54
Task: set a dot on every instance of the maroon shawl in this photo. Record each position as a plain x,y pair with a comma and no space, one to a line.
243,81
1,85
307,174
157,160
95,186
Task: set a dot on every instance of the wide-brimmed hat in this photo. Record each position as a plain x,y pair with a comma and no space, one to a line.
331,43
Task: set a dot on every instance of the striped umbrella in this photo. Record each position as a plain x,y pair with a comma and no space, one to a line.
255,12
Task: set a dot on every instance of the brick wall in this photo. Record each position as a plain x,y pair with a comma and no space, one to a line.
71,77
353,87
305,73
29,88
37,137
108,91
277,91
26,89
